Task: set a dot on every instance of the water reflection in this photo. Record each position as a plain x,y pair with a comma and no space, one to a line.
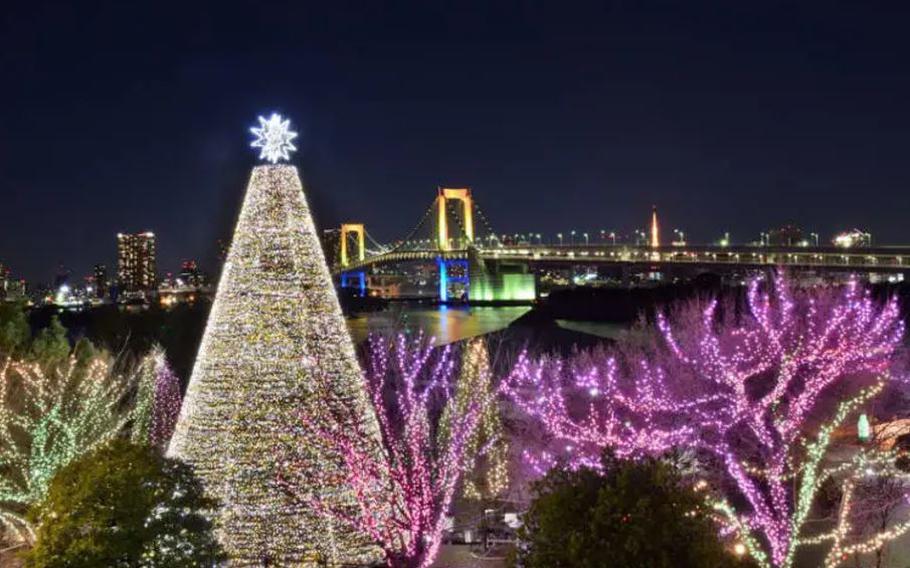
446,323
600,329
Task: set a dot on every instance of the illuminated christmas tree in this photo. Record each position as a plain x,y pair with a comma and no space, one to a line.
275,347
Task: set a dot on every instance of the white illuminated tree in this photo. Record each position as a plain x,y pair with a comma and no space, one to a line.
275,346
488,445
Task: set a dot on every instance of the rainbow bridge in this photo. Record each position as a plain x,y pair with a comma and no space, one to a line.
456,240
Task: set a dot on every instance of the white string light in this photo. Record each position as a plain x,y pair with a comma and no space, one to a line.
275,348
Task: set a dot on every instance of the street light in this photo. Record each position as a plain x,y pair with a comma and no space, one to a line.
573,236
586,239
814,236
613,236
559,236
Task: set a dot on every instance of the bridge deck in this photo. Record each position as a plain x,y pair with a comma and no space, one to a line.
877,259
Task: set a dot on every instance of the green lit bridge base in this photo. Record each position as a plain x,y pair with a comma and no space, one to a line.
458,283
483,286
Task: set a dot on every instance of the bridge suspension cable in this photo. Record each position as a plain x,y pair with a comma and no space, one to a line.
426,215
426,233
381,248
486,222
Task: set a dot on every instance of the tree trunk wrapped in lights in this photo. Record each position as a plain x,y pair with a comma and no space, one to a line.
49,416
404,484
752,392
275,345
490,477
144,400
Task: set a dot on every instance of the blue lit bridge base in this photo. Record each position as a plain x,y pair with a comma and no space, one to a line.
356,279
446,277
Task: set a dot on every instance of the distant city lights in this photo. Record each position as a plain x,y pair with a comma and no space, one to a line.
852,239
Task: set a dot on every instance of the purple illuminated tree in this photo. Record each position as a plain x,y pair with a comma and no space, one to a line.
165,403
753,391
158,400
405,484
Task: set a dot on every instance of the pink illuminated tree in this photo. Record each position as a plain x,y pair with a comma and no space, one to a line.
753,389
405,482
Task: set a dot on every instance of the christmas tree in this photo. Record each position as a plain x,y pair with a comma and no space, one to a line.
275,347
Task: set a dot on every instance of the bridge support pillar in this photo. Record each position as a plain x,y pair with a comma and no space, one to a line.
357,229
448,276
463,196
359,280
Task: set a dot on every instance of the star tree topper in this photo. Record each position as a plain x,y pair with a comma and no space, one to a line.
274,137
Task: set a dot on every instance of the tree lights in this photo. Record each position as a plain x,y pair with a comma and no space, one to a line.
275,345
159,400
403,485
157,403
490,478
49,416
743,391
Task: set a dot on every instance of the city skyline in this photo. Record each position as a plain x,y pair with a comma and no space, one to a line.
66,273
729,119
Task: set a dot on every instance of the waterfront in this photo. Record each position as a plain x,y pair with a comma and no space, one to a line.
449,324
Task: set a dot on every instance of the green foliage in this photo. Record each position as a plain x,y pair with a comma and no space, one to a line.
14,330
145,397
124,506
51,345
84,351
49,417
637,514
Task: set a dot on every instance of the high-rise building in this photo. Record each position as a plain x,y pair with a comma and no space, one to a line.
190,275
4,280
136,265
62,277
16,290
786,236
102,283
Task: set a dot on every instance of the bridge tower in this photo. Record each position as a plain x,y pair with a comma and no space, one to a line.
462,195
347,229
655,230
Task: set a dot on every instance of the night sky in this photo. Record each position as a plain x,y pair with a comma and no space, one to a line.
729,116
